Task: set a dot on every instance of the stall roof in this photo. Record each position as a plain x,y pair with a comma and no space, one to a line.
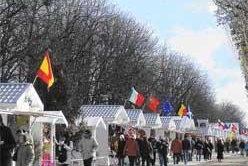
53,117
137,116
21,97
133,114
153,120
168,123
109,113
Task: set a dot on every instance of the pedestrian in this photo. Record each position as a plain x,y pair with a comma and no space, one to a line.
220,150
18,133
186,148
162,147
121,145
65,148
246,148
25,153
206,150
227,145
192,147
242,147
87,147
176,149
153,142
198,147
7,144
234,145
211,147
145,151
139,139
131,149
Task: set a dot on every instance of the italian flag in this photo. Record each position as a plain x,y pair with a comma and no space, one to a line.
136,98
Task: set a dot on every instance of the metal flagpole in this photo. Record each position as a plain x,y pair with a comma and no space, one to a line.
34,80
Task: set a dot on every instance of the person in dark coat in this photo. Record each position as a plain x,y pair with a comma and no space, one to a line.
234,145
206,150
139,139
7,144
153,142
198,147
220,150
145,150
186,148
211,147
242,147
121,145
162,147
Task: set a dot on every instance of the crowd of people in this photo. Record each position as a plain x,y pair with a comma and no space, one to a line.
144,151
141,150
236,146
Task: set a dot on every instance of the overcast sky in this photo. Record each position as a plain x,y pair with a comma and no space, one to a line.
190,27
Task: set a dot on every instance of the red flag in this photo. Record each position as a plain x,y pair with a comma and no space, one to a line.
153,104
233,128
45,72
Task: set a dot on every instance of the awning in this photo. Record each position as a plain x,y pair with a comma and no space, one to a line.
14,112
53,117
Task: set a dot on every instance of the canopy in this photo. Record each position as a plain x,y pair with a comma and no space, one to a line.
53,117
109,113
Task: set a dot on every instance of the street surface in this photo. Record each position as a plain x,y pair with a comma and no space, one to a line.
229,160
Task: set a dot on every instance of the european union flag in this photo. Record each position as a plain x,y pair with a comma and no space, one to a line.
167,108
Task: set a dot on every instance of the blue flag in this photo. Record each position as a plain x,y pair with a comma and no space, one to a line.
167,108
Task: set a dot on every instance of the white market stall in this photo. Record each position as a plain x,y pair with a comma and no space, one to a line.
22,101
52,118
100,133
205,128
153,123
188,125
168,126
178,121
114,117
136,117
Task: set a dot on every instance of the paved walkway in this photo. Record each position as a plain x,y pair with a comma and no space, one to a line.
229,160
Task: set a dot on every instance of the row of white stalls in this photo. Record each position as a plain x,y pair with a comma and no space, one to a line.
22,109
215,131
102,119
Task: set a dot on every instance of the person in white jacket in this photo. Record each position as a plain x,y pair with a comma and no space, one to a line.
68,148
87,147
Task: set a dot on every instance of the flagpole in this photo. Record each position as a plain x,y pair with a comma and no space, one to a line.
125,103
34,80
